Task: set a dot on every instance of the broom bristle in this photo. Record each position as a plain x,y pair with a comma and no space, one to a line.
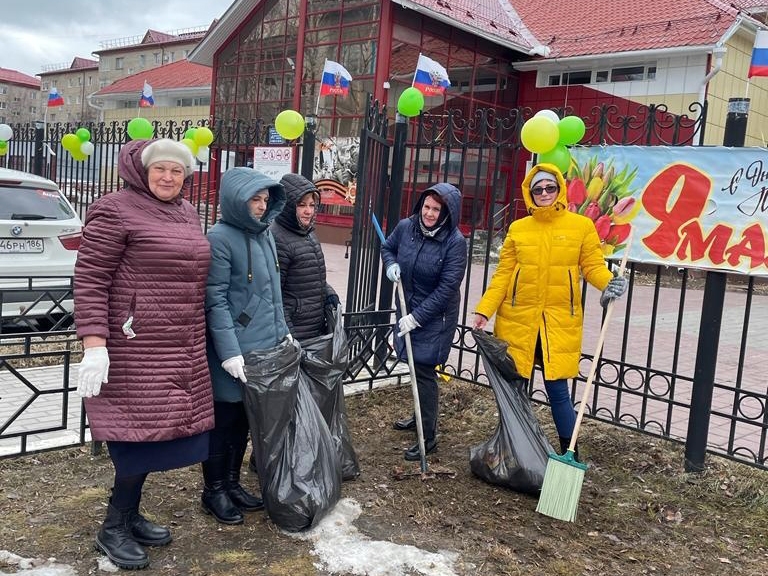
561,489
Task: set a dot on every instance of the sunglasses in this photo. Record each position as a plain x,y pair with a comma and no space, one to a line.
538,191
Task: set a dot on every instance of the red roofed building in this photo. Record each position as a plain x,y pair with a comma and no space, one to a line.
498,53
19,97
181,91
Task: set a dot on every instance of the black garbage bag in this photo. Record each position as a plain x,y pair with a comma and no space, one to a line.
324,360
516,454
296,456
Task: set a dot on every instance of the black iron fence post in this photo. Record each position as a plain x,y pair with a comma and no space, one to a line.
395,198
308,147
39,149
711,319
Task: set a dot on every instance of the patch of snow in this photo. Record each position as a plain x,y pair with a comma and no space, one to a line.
341,548
34,566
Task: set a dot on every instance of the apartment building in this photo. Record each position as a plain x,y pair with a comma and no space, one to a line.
19,97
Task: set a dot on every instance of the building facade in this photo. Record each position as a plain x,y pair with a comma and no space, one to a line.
75,83
19,97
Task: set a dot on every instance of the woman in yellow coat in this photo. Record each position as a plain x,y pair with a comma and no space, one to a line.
536,289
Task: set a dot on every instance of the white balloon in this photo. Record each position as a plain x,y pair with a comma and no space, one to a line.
86,148
551,114
202,154
6,132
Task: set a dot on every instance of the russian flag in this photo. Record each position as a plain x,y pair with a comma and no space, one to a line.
54,98
146,100
336,79
431,79
759,64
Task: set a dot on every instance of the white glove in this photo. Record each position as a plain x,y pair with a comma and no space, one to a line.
289,337
393,272
235,367
407,323
94,369
616,288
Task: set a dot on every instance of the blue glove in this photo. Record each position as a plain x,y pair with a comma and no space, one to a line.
393,272
616,288
407,323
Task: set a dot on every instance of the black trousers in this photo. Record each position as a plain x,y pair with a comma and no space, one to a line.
426,382
231,431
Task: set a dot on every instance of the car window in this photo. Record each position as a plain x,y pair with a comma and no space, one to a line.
33,203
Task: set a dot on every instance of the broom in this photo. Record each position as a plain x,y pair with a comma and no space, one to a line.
411,366
564,476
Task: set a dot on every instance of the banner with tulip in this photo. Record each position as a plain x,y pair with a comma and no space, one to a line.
695,207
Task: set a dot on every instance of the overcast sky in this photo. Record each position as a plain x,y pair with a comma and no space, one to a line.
34,33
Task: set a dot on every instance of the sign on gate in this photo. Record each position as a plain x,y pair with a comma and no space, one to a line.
689,206
273,161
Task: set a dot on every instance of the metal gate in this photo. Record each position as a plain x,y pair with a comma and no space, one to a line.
644,382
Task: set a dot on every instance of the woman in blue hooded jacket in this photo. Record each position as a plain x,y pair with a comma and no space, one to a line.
427,253
244,312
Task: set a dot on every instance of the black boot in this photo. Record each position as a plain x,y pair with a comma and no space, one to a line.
405,424
240,497
116,541
564,443
215,498
146,532
413,452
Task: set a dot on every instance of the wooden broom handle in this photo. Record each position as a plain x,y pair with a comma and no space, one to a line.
598,350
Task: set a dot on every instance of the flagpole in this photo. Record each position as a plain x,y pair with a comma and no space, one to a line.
317,105
746,91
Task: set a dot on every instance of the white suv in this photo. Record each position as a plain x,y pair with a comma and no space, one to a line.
39,237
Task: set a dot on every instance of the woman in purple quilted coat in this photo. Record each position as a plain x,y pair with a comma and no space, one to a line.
139,309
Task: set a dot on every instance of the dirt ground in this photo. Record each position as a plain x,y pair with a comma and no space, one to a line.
638,513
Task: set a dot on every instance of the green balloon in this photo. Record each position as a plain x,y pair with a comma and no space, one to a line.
289,124
70,142
571,129
560,156
411,102
140,129
83,134
190,133
3,145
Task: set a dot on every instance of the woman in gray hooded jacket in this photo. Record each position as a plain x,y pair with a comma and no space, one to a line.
244,312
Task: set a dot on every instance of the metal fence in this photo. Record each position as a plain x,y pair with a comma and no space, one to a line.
647,376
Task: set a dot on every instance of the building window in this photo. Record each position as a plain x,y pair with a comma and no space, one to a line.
628,73
204,101
45,86
33,110
157,57
3,89
142,60
90,80
119,63
601,76
171,57
3,105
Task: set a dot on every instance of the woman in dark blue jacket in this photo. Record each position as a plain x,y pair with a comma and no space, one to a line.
427,253
244,312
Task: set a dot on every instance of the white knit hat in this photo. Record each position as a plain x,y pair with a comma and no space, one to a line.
167,150
542,175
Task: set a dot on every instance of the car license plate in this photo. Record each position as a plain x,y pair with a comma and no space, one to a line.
21,245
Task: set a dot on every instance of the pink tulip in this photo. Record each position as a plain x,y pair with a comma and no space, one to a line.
623,206
593,211
603,226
